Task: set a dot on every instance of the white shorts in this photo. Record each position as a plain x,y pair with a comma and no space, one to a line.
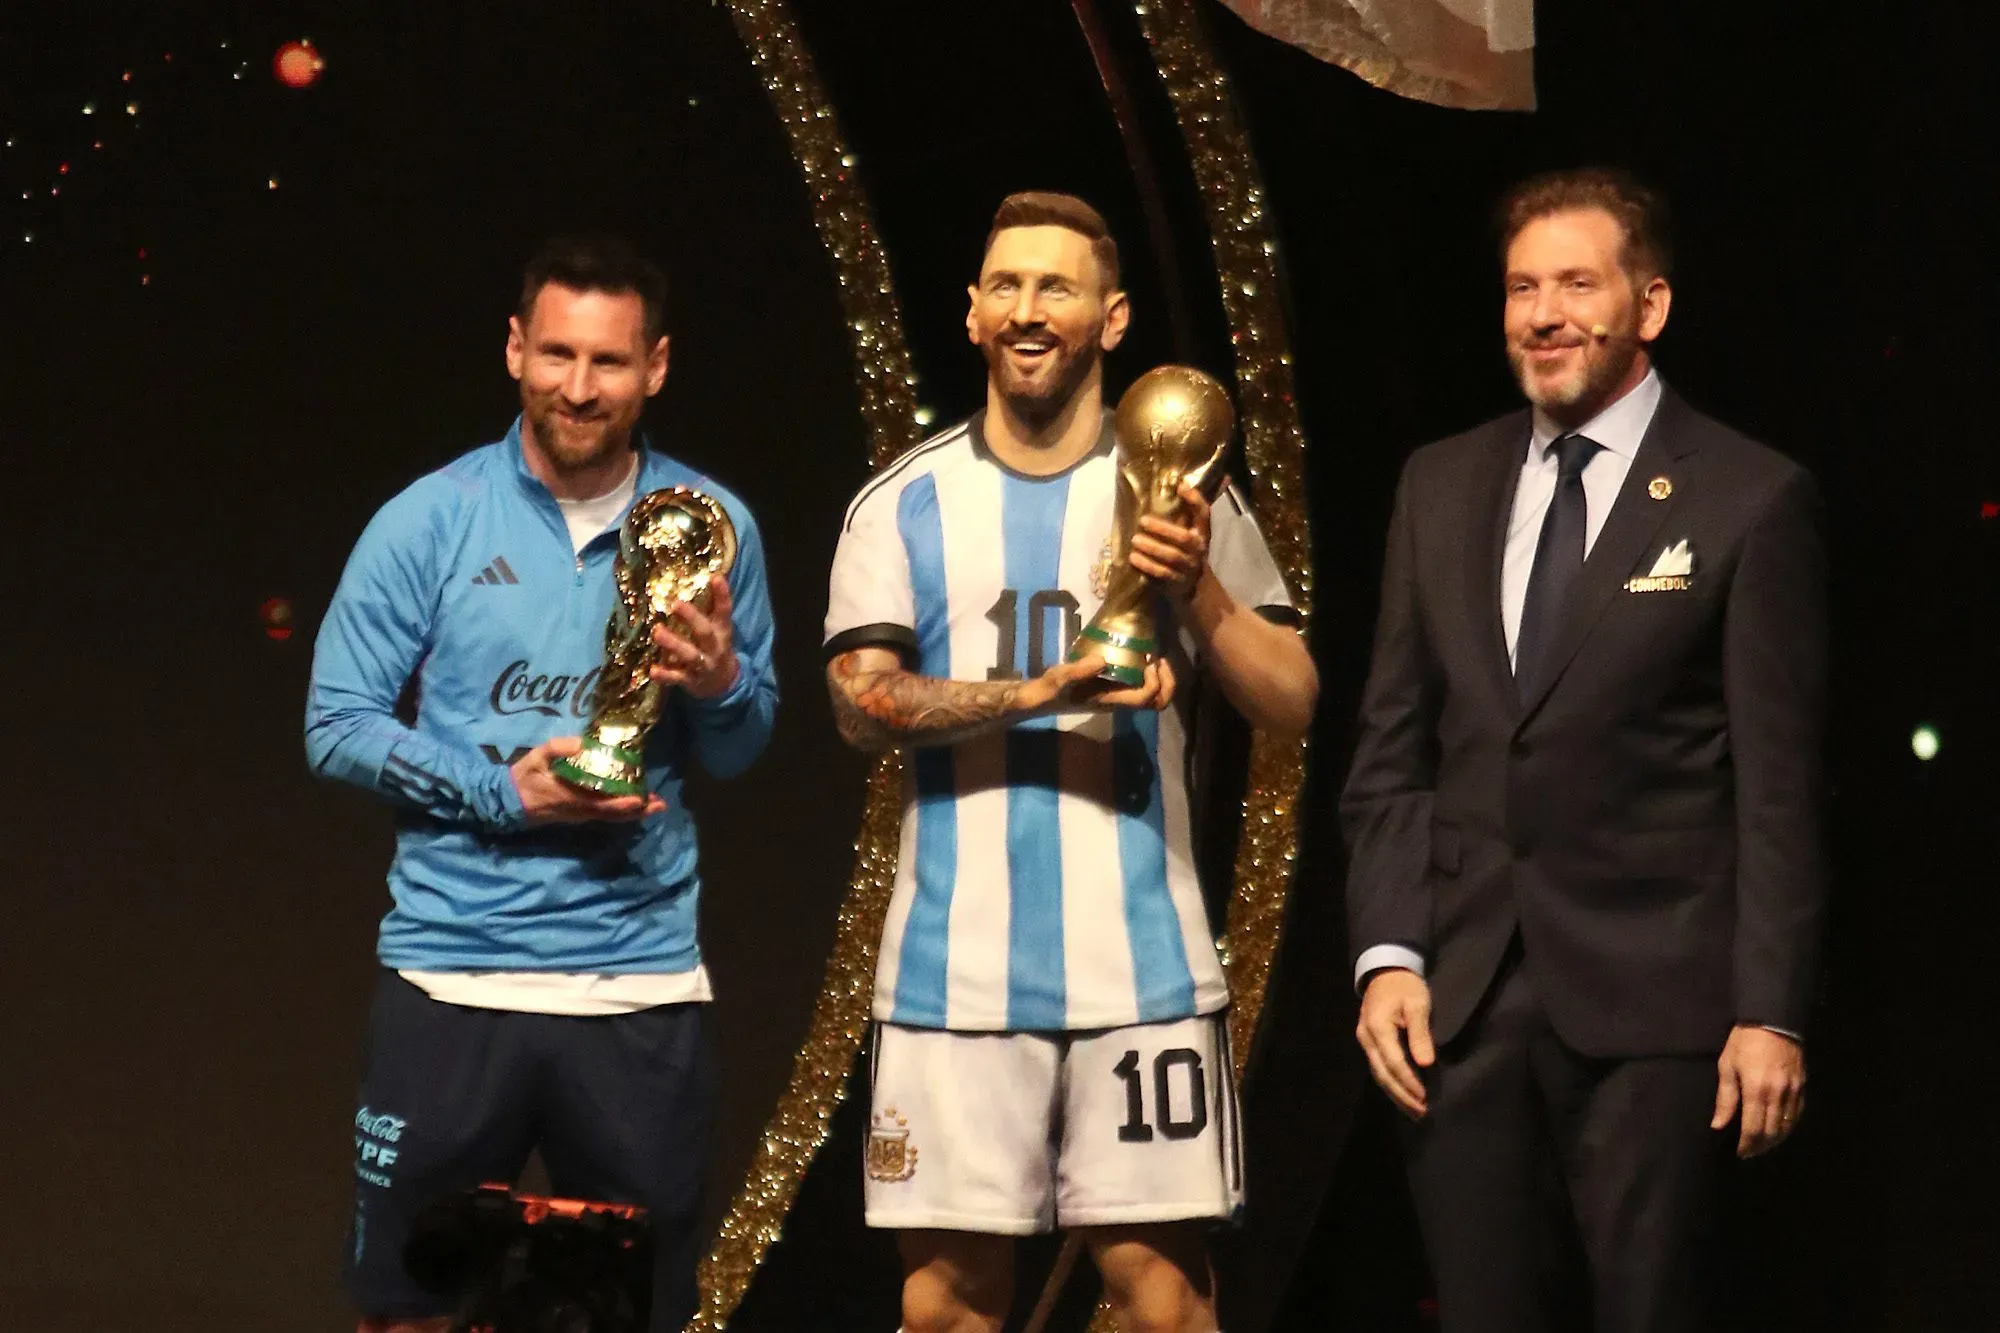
1012,1133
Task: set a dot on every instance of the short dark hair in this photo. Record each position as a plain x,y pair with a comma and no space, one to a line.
597,262
1638,209
1045,208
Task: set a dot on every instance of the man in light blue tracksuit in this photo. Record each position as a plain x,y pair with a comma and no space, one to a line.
541,981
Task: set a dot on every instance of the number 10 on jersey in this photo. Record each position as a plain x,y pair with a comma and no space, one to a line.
1050,604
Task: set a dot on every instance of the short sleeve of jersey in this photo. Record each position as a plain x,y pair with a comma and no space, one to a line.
1243,563
870,602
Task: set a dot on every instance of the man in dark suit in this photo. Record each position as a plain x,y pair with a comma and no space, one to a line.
1585,810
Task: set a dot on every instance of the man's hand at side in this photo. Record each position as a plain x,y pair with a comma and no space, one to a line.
1762,1079
547,799
1396,1008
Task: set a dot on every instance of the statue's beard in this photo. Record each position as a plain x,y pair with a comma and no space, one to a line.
1041,399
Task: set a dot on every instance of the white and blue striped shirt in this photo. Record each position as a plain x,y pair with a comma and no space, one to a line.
1046,879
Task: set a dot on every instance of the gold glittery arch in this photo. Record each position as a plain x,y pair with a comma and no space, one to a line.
1246,249
1241,235
1274,448
799,1123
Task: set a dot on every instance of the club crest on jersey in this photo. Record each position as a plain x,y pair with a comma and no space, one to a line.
1100,573
891,1155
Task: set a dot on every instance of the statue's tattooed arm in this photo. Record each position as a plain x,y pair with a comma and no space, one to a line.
879,706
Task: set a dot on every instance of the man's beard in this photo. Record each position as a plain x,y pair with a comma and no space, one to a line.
1605,363
569,448
1040,403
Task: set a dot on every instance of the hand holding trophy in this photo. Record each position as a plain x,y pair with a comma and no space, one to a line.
1173,427
669,546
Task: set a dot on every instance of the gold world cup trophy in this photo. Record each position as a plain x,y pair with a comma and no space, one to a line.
670,544
1172,426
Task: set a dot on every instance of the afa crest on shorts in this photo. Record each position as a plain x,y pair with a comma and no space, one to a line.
891,1155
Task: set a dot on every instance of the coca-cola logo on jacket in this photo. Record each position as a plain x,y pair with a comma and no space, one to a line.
519,688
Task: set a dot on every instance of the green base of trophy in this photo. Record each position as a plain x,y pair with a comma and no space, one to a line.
603,768
1125,656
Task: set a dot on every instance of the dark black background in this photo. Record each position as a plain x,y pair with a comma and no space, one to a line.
188,917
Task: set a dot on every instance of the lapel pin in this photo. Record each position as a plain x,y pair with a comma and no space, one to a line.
1659,488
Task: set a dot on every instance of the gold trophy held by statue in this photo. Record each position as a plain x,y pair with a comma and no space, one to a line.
669,546
1172,427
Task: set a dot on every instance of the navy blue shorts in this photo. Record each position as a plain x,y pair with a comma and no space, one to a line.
455,1097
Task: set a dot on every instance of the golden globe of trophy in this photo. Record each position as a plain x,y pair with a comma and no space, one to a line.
669,546
1173,427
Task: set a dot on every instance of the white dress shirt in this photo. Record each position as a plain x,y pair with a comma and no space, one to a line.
1618,430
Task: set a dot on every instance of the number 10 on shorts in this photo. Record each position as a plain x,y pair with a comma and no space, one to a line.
1177,1069
1024,1131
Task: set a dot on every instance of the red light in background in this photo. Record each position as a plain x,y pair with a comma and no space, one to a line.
276,613
297,65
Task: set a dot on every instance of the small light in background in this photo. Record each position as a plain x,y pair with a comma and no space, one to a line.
1990,509
1924,743
297,65
926,415
276,613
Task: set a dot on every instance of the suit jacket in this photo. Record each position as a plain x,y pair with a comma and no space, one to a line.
1651,819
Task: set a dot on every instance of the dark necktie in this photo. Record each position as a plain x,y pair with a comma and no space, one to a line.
1558,557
